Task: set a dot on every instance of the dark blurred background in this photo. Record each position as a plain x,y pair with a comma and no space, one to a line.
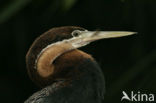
128,63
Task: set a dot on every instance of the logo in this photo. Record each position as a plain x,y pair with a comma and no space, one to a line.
140,97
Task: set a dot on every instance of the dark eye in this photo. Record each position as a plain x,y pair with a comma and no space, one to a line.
76,33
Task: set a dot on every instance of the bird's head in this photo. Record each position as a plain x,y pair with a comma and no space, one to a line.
54,55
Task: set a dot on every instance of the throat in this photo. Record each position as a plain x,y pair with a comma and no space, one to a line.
44,62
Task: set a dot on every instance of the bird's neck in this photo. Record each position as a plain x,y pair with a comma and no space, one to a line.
46,58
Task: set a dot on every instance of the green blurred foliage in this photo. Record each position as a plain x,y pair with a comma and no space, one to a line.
11,8
68,4
122,0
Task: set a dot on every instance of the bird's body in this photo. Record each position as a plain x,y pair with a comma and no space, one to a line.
88,88
66,74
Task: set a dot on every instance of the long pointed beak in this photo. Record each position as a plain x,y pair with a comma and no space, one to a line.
85,37
91,36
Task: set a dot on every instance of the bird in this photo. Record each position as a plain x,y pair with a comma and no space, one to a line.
65,73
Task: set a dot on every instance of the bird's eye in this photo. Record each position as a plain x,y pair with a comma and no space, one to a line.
76,33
